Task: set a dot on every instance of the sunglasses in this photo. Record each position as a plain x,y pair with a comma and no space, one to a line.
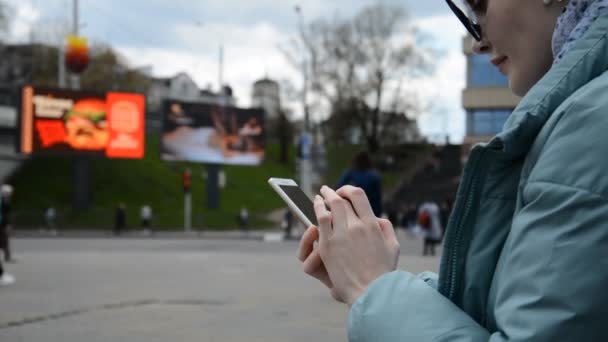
473,28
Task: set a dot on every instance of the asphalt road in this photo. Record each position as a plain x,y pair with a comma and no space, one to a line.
102,289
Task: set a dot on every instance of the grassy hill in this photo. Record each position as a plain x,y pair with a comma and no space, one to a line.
45,180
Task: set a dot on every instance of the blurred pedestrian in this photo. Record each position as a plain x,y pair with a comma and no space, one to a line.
362,175
288,224
120,219
244,219
6,192
50,215
5,278
429,219
146,218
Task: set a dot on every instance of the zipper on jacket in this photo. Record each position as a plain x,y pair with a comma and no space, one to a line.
470,188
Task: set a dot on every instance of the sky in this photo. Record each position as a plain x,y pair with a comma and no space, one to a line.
184,35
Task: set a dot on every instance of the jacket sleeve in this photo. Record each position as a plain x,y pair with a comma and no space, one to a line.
550,282
400,306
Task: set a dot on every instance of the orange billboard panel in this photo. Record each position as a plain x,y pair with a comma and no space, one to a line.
125,125
60,121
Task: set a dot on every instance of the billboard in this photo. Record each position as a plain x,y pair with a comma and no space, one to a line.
61,121
208,133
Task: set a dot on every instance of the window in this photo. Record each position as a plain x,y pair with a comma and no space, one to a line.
482,73
486,121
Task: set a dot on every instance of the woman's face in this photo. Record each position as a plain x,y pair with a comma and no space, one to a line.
517,34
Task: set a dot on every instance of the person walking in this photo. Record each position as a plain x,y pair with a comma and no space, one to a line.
50,216
430,219
362,175
5,278
287,224
120,219
526,249
244,219
6,192
146,218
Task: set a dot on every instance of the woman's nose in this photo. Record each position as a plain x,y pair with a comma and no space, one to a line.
482,47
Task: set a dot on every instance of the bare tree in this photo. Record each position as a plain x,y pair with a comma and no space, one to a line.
4,16
359,65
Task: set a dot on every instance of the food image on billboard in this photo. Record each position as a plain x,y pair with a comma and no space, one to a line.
66,122
85,125
212,134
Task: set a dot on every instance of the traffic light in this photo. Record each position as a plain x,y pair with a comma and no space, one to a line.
77,54
187,180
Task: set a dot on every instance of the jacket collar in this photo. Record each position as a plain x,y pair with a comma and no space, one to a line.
587,60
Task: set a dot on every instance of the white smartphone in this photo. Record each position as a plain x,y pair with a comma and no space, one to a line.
296,200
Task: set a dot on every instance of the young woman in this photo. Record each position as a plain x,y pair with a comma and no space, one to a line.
526,249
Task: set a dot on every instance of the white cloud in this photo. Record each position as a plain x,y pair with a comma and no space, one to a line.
23,16
250,53
444,89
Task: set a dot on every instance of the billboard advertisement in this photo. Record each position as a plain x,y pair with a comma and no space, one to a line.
208,133
61,121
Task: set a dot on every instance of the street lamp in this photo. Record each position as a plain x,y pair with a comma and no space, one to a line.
305,143
298,11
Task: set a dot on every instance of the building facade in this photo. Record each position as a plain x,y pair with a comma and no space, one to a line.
266,95
487,99
183,88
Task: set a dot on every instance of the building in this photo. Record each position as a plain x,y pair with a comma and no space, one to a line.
180,87
18,65
266,94
487,99
183,88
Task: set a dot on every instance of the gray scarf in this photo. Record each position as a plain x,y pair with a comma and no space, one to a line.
572,24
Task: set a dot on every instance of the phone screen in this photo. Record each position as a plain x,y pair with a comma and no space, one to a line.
301,200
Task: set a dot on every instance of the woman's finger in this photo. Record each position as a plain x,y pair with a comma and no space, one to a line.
351,215
335,295
307,242
324,217
359,201
388,232
337,205
313,266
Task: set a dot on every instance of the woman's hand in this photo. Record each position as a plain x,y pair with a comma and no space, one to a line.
358,249
308,253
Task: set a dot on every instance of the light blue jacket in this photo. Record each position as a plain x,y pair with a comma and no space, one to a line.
526,250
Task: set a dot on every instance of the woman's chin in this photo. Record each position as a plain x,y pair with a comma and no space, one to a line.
518,87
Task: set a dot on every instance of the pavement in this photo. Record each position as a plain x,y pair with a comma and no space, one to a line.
98,288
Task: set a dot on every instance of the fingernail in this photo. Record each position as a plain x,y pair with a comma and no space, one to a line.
317,197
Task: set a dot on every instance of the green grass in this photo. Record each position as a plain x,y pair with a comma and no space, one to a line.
47,180
44,181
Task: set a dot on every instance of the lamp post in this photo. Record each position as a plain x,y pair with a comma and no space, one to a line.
75,77
305,107
305,143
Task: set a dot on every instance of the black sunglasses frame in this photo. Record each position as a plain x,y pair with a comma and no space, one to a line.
473,28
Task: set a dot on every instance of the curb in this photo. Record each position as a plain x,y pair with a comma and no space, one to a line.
266,235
